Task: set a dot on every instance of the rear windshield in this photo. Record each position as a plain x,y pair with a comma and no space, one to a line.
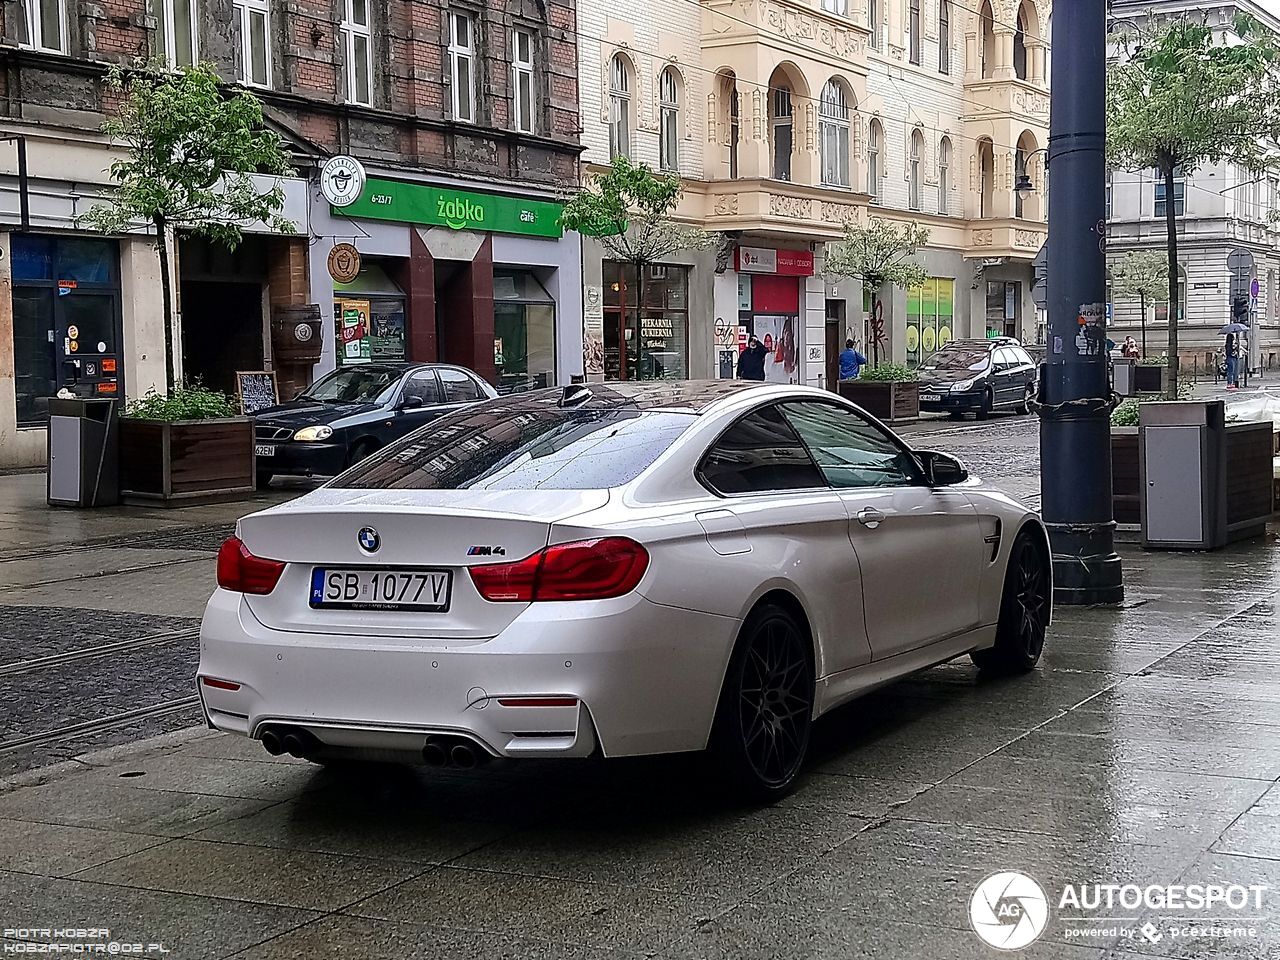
523,445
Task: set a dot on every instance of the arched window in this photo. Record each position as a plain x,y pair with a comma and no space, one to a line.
669,124
986,177
987,40
944,176
729,91
875,143
781,126
1020,49
620,86
834,143
917,151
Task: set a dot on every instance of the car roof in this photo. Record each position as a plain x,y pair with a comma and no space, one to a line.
677,396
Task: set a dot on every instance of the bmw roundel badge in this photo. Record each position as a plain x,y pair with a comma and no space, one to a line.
368,539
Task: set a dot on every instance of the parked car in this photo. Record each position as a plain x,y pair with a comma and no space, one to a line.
979,376
353,411
616,570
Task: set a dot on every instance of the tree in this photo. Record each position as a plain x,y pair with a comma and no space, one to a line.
1141,273
879,253
1179,98
191,151
628,209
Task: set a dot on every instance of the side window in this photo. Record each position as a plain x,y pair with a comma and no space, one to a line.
1005,359
423,386
1024,358
850,451
458,387
759,453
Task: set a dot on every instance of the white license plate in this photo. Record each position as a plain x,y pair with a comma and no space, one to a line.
364,588
263,449
930,397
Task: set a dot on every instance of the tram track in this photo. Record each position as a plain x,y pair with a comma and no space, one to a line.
100,650
101,724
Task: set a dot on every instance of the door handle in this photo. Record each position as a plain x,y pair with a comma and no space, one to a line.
870,517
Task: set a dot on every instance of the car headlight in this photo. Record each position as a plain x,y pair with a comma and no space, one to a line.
314,433
963,385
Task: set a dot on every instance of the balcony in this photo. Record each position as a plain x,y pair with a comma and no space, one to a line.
1012,239
773,207
792,29
1026,103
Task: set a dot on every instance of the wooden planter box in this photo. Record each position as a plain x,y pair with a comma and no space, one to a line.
1150,379
1250,478
891,402
186,461
1126,486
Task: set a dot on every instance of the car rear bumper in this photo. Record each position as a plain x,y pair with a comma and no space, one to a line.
295,458
631,677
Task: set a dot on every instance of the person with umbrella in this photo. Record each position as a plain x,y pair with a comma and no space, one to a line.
1233,332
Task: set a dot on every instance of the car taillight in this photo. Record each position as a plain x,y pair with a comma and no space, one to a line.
582,570
240,571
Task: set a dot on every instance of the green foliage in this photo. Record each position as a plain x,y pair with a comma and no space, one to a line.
1181,97
1140,273
628,208
879,253
186,402
1153,362
1126,414
888,373
191,153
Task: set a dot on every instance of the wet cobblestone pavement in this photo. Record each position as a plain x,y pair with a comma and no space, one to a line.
1144,749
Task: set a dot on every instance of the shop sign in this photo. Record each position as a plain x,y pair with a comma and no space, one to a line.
456,209
342,180
786,263
344,262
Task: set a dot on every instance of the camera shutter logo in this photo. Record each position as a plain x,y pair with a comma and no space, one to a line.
1009,910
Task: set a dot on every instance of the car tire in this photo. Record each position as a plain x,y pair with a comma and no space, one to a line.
1024,611
362,450
1028,395
985,405
264,479
761,734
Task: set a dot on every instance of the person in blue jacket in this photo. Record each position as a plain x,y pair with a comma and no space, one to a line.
851,362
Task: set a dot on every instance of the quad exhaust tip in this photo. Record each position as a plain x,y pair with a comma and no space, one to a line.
291,740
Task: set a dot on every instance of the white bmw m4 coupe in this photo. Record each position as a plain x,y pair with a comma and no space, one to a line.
615,570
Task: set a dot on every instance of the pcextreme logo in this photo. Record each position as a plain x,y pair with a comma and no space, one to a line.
460,212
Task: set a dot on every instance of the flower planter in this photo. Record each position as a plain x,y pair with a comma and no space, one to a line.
1126,490
186,461
891,401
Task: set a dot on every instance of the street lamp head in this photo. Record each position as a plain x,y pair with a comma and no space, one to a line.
1023,185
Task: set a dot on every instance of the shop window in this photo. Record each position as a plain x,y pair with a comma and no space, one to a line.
524,332
462,72
646,327
357,43
66,319
930,318
175,33
369,313
254,17
1004,308
44,23
522,78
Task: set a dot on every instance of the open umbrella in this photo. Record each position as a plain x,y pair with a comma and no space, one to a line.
1233,328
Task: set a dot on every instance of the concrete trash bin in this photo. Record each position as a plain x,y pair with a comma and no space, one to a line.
84,453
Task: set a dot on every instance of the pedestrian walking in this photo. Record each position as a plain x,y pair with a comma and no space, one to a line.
751,360
851,361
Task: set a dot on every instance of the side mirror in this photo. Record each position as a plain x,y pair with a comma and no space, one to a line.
942,470
410,403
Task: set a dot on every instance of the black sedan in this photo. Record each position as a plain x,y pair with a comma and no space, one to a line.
349,413
979,376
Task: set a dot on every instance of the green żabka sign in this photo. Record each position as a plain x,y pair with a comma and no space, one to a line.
457,209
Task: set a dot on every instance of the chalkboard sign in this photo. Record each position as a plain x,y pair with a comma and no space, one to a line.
257,390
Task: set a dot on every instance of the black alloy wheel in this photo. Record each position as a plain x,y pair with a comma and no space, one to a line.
986,404
1024,611
1028,395
766,706
361,451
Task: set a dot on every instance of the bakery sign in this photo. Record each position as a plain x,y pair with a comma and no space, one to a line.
786,263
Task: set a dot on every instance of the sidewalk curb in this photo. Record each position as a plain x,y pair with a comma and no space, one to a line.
102,758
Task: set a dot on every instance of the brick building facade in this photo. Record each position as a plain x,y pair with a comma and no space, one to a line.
471,103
